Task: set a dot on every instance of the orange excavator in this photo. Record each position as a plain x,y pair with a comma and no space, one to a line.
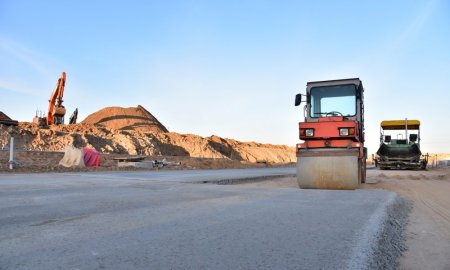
56,110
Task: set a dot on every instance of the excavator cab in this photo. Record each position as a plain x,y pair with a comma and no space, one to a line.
332,155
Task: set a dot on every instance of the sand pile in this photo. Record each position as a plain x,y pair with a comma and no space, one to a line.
217,147
135,131
133,118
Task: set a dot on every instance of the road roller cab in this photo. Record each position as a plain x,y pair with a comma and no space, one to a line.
332,155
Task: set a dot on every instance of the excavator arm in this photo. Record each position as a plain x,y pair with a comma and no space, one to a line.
56,110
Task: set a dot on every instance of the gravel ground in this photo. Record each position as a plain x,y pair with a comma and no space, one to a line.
156,220
392,237
421,215
428,230
385,229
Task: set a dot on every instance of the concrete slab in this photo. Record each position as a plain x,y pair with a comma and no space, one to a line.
137,164
142,221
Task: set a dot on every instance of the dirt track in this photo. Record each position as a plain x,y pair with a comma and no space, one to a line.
429,228
428,231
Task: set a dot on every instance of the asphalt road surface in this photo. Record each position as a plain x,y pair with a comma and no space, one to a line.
172,220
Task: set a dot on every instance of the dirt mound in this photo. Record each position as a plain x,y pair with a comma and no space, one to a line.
135,131
217,147
135,142
132,118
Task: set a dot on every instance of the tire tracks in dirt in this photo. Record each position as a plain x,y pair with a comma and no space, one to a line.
428,232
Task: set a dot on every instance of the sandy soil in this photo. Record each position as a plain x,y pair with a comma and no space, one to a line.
428,231
132,118
183,163
135,131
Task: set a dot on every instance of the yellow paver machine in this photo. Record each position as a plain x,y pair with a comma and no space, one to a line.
400,145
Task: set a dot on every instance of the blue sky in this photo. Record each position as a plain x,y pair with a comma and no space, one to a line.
229,68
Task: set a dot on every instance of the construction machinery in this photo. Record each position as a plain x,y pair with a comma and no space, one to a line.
56,110
403,152
73,117
332,155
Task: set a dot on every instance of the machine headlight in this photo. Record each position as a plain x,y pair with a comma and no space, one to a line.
309,132
343,132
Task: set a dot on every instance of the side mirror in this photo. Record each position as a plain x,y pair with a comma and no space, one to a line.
298,99
412,137
387,138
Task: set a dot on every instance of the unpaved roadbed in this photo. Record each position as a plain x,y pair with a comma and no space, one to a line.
167,220
428,230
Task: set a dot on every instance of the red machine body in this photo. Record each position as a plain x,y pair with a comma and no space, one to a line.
332,155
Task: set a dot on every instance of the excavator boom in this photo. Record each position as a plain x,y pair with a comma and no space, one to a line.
56,110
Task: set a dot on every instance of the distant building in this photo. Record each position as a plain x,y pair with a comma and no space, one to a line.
442,163
5,120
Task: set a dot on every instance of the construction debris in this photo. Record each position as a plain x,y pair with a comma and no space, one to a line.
134,131
140,162
163,163
73,157
136,164
80,157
